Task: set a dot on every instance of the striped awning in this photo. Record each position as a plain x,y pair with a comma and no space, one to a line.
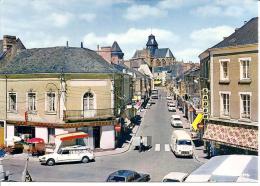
233,135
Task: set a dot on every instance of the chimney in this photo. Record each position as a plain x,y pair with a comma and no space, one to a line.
224,38
245,22
97,47
81,44
67,44
8,42
236,29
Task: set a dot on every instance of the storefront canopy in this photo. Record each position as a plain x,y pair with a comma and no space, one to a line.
71,136
227,168
233,135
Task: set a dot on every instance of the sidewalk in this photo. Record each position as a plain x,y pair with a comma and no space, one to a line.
126,146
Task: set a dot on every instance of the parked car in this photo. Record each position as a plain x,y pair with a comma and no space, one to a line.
169,98
175,177
172,108
128,176
169,102
181,143
68,154
176,121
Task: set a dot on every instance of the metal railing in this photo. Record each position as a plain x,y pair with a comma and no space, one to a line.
87,114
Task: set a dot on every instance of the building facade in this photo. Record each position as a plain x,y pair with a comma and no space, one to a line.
233,123
51,91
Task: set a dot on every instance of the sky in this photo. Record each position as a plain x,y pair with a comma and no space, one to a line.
187,27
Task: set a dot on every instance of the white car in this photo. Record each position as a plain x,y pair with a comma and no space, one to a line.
169,98
172,108
175,177
176,121
68,154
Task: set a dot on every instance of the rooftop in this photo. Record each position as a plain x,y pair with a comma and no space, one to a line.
57,60
247,34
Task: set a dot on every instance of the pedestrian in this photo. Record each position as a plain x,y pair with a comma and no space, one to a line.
141,144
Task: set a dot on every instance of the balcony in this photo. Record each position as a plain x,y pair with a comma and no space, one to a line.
88,115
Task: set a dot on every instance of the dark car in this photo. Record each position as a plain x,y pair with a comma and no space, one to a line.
128,176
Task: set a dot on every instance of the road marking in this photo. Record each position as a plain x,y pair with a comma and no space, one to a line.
157,147
167,147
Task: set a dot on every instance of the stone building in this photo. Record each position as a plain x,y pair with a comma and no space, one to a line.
9,46
230,70
57,90
112,54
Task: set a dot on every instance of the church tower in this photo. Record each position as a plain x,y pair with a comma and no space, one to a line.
151,44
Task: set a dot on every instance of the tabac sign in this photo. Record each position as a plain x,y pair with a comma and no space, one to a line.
205,103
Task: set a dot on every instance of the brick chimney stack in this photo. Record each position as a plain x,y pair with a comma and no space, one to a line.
8,42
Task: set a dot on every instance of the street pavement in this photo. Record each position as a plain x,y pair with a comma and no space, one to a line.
157,161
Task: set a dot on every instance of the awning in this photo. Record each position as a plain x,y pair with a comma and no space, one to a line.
237,136
197,120
71,136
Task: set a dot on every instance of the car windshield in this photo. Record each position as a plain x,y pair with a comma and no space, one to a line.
176,119
116,179
184,142
170,180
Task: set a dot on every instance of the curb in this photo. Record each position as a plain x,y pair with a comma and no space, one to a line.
128,146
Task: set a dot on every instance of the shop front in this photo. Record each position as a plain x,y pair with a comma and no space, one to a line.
230,138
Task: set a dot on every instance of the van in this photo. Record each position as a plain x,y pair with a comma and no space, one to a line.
181,143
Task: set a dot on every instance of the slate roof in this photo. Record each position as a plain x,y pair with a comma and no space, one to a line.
57,60
121,67
115,47
140,53
162,53
152,41
247,34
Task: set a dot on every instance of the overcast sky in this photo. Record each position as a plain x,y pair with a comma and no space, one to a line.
187,27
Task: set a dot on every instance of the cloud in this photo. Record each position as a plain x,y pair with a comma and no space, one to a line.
87,17
131,40
60,19
210,36
188,54
136,12
223,8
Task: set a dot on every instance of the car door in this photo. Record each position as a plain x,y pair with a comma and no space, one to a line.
64,156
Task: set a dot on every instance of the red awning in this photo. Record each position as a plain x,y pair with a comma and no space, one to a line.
35,140
71,136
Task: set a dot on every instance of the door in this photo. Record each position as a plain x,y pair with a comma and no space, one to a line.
96,136
88,105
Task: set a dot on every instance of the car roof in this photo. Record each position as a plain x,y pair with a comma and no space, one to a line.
175,116
176,175
124,173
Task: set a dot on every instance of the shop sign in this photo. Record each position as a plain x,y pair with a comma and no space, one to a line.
118,128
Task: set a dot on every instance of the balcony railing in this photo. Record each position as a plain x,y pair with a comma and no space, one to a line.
88,114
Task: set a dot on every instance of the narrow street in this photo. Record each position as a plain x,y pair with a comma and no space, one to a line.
158,161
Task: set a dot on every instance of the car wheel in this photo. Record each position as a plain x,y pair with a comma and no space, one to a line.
85,159
50,162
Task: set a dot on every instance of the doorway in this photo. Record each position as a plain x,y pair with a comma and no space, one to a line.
96,136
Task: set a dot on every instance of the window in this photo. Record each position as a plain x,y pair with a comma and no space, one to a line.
88,101
50,107
12,103
244,68
31,101
245,106
224,70
225,104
